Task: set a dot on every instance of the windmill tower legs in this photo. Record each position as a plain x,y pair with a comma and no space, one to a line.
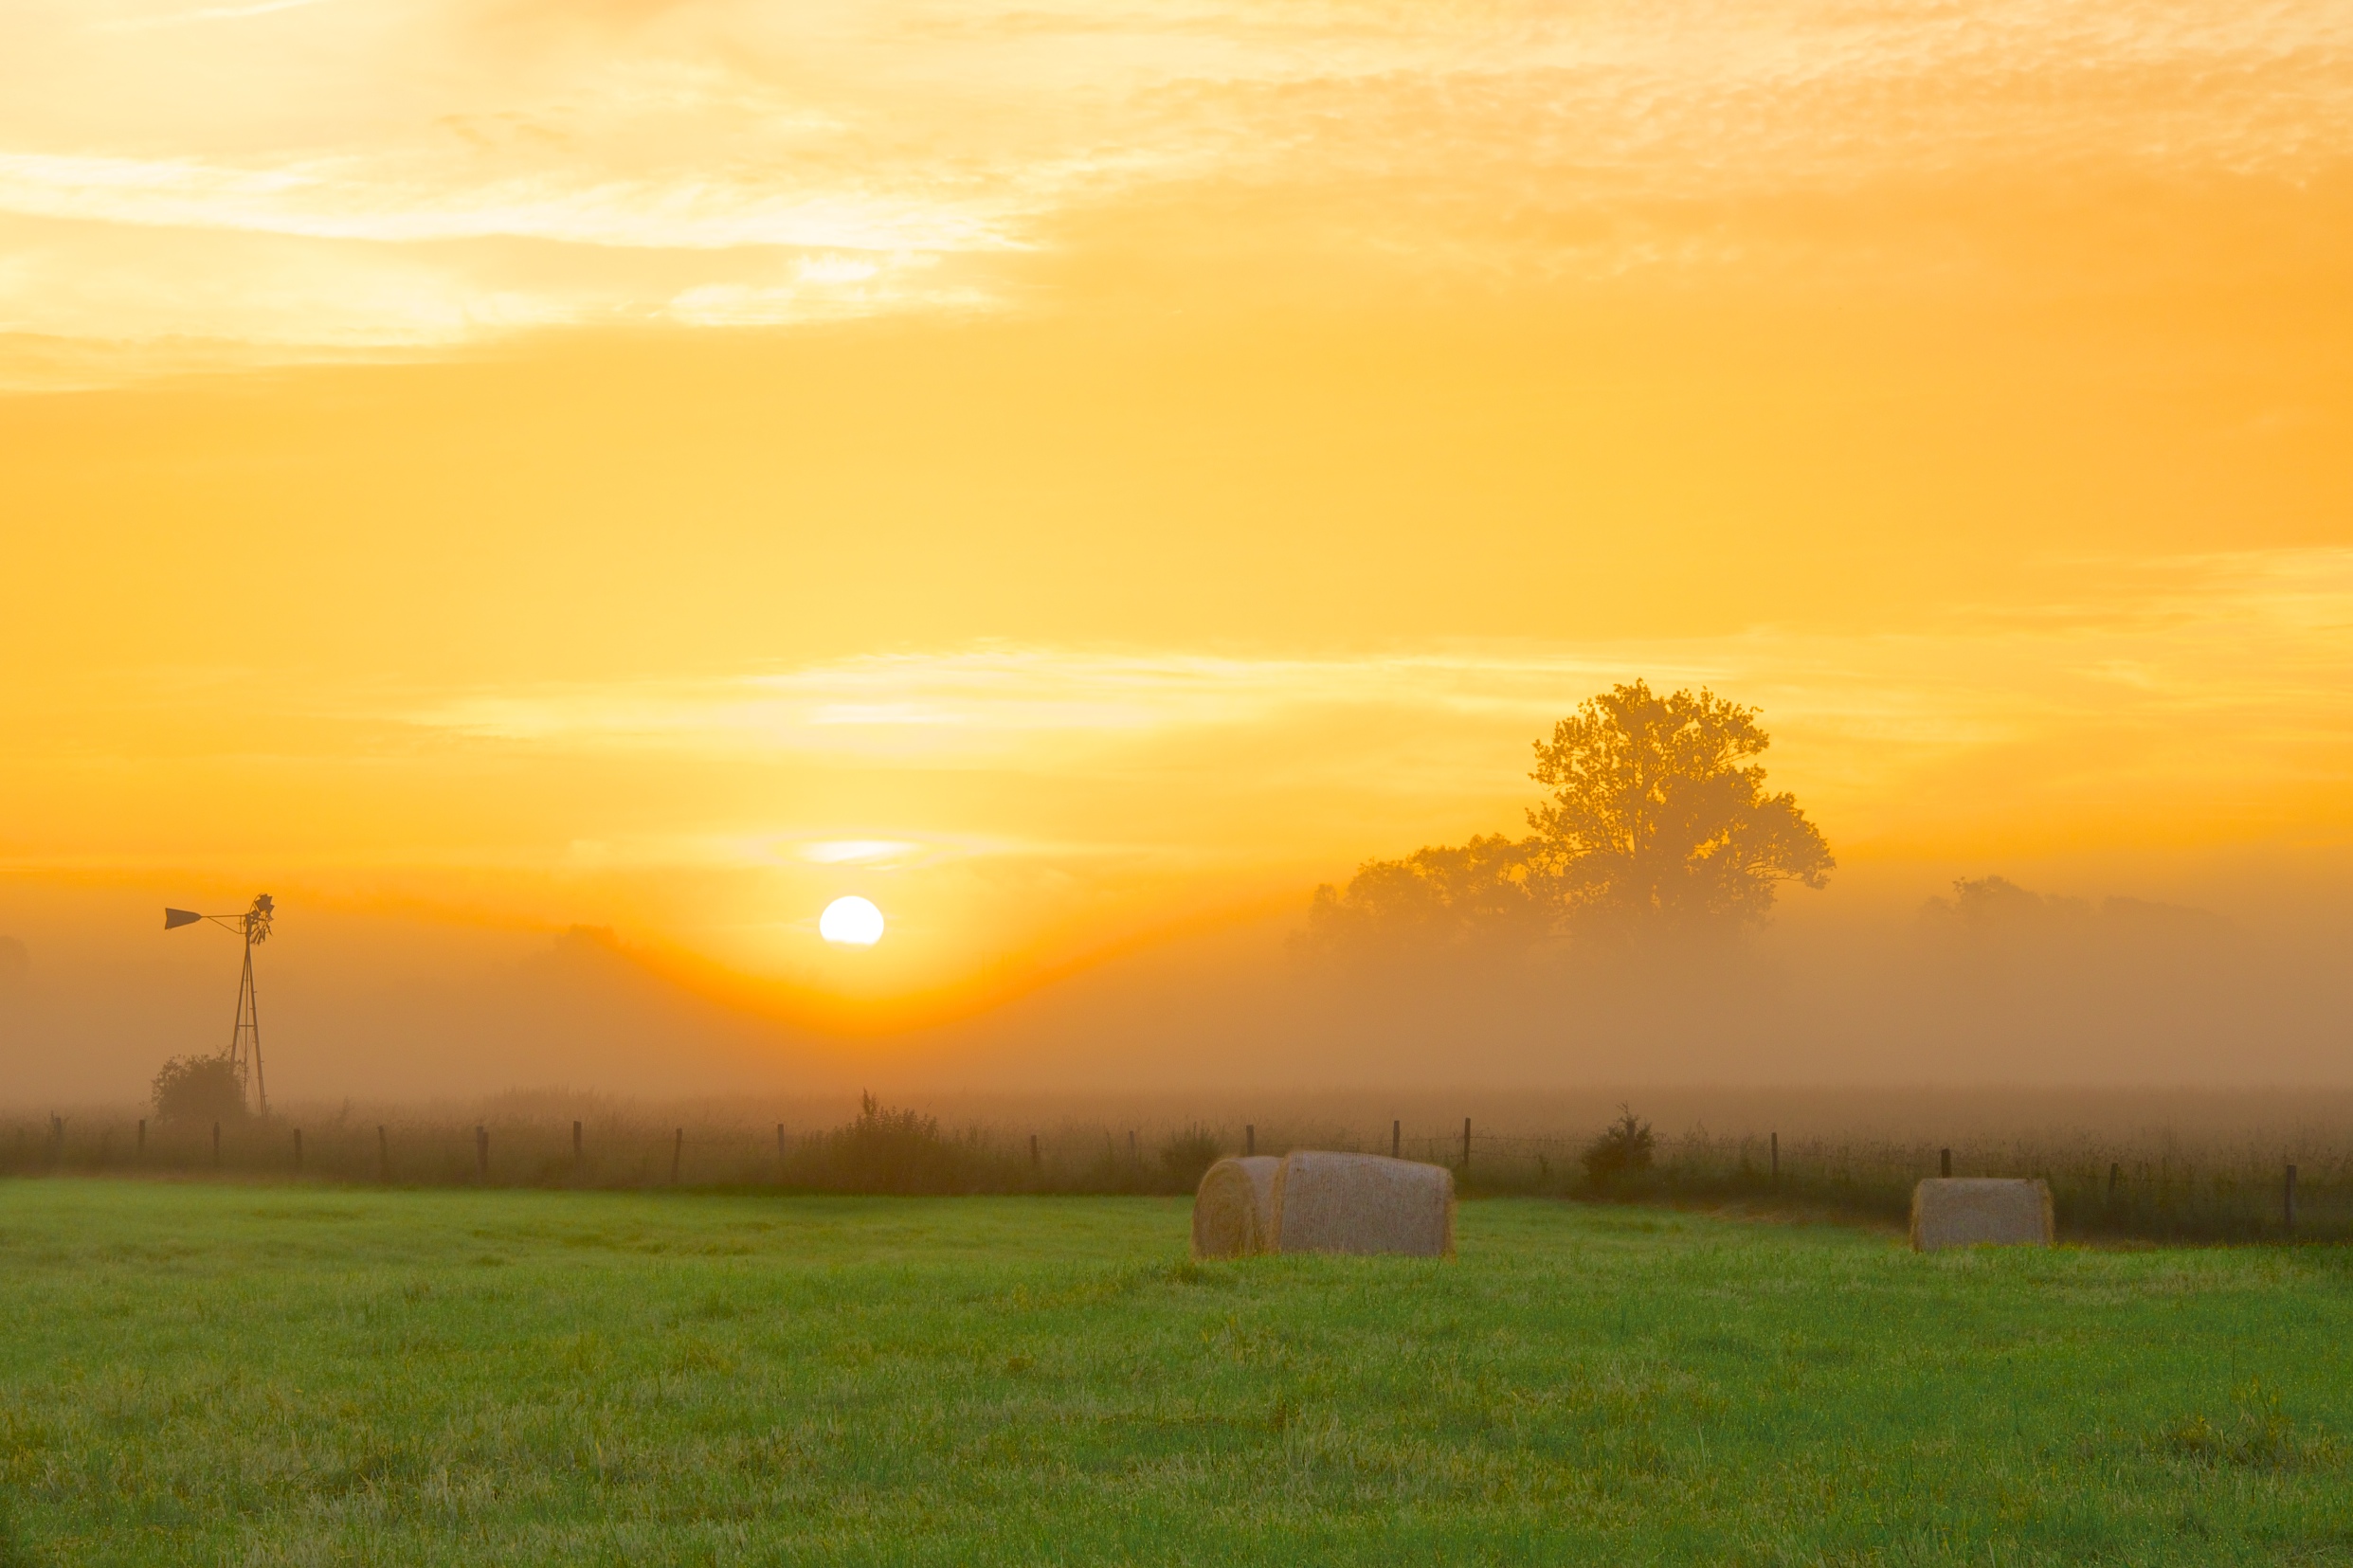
244,1041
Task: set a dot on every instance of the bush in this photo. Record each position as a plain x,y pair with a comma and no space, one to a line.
1624,1146
200,1088
1190,1155
894,1151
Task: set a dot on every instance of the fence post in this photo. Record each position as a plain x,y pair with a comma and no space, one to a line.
482,1150
1777,1158
216,1146
1250,1138
297,1151
141,1155
1943,1162
1466,1145
1397,1139
384,1155
2287,1200
677,1151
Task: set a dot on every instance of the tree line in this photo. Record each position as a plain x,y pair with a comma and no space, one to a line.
1657,822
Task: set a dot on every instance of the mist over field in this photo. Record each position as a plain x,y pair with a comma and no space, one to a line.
1858,987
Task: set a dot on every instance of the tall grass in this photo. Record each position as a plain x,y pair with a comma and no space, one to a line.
2154,1185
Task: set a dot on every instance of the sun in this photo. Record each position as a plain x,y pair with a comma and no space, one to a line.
853,921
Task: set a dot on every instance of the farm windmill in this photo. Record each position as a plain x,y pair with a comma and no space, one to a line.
244,1040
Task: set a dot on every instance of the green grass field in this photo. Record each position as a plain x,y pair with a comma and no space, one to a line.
272,1374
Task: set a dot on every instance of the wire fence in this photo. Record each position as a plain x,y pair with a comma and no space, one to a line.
2154,1187
622,1154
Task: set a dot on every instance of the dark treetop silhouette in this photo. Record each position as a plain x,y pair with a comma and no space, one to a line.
1657,823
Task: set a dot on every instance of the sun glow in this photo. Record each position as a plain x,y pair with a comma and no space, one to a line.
852,922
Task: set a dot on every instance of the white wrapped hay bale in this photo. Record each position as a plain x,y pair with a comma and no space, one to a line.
1328,1202
1234,1208
1979,1211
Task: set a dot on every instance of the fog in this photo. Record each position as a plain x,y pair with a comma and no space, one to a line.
1893,1002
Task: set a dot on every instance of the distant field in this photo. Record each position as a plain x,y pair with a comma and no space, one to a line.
269,1374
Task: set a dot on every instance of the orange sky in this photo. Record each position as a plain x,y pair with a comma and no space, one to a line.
1072,473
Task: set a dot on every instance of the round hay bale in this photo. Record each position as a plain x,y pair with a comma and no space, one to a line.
1327,1202
1979,1211
1234,1208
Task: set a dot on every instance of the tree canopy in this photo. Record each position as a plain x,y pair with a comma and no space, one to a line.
1660,817
1658,821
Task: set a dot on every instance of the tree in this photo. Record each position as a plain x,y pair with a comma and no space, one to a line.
1484,896
200,1088
1659,820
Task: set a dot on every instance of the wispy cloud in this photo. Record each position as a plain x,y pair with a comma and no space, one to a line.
1522,137
2136,683
334,202
208,14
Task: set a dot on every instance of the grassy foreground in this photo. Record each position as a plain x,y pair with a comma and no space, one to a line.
251,1375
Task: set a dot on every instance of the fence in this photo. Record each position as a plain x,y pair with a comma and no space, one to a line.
901,1158
2155,1187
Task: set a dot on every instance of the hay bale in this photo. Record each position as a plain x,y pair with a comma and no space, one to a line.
1234,1208
1978,1211
1327,1202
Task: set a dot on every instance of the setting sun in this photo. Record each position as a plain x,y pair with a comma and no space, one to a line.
853,922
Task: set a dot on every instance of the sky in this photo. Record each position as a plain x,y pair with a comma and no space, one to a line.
1082,475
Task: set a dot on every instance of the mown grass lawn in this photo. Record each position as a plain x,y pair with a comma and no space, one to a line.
223,1374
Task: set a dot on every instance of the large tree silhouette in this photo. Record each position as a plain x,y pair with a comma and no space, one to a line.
1659,818
1658,823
